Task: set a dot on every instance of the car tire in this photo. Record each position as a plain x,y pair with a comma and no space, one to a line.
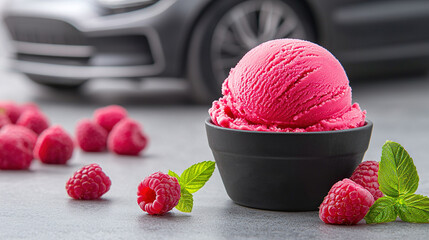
64,84
204,79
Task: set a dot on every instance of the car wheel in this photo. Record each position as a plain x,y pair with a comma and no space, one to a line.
57,83
230,28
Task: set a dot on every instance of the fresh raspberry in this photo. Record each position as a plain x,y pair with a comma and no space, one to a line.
13,111
27,135
346,203
126,138
158,193
109,116
16,148
90,136
4,119
366,175
29,106
34,120
54,146
90,182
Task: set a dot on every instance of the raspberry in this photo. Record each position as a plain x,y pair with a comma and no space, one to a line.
4,119
158,193
109,116
346,203
126,138
54,146
16,147
29,106
13,111
366,175
34,120
90,136
27,135
90,182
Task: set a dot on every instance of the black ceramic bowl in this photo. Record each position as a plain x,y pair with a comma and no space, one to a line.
285,171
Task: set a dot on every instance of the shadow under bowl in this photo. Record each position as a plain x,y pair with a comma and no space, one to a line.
285,171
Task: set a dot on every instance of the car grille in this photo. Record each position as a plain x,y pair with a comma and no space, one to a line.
73,61
49,41
41,30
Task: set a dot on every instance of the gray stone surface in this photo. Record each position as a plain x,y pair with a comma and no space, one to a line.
34,204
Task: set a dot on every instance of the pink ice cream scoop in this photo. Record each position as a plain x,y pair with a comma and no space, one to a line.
287,85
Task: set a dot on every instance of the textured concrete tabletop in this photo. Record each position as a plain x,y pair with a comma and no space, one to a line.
34,204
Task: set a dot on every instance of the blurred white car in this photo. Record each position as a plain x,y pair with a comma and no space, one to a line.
63,43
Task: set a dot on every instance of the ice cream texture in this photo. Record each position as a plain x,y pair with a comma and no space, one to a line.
287,85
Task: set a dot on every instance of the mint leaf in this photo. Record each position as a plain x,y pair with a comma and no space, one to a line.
414,208
173,174
382,211
194,178
186,201
397,174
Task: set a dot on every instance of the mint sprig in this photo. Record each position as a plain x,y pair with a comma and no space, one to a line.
192,180
398,180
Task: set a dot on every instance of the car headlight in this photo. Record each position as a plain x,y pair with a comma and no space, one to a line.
124,3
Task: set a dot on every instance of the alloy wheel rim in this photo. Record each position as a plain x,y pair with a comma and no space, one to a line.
247,25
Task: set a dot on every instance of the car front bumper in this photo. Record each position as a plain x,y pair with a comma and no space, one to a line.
74,39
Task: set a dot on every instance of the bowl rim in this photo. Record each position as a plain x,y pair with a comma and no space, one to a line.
368,125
